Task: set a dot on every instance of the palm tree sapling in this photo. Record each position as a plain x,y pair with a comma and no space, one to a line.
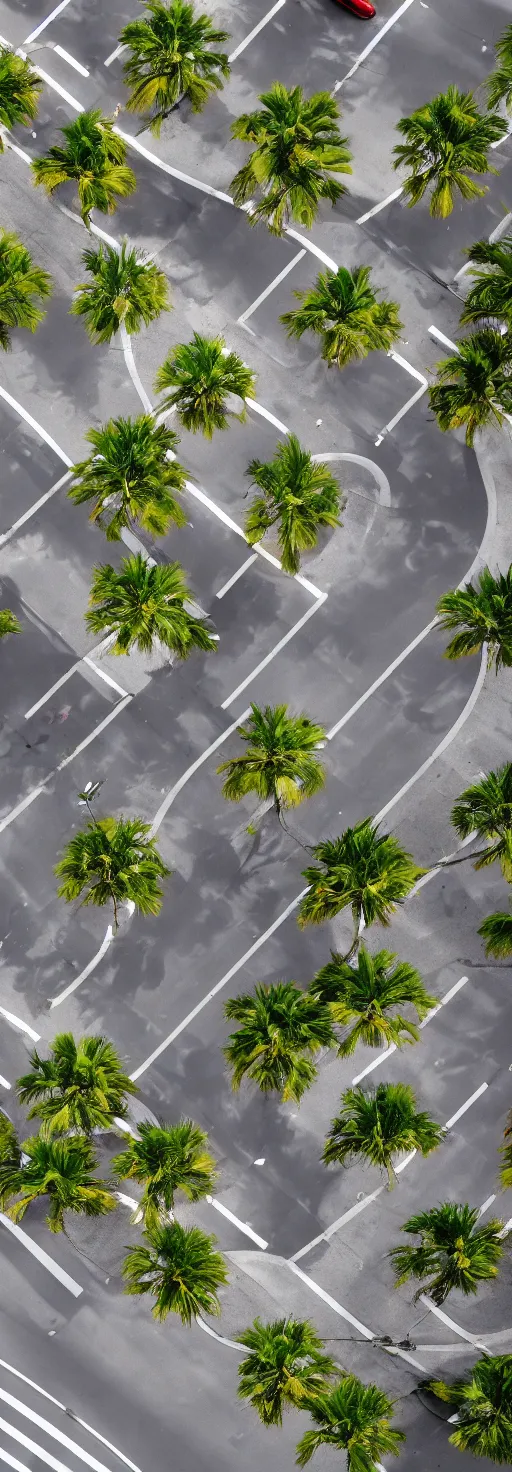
286,1366
130,478
352,1418
144,605
481,612
81,1086
298,495
281,1030
204,379
453,1247
377,1123
110,861
171,56
93,156
280,761
125,288
180,1268
364,996
164,1159
343,308
23,286
298,149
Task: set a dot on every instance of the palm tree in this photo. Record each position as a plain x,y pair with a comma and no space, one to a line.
299,495
354,1418
482,612
500,81
447,141
10,1153
19,91
110,861
171,58
94,156
367,994
60,1169
342,306
365,869
180,1268
496,932
281,1030
81,1086
286,1366
125,288
9,624
167,1158
280,761
142,604
474,387
483,1401
377,1123
298,150
485,809
22,285
506,1152
130,478
203,378
491,294
460,1253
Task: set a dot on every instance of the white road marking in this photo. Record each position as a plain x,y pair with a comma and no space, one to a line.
236,575
374,42
442,338
18,1022
217,510
506,135
443,1000
175,173
314,249
218,988
132,369
344,1314
12,1461
277,279
114,54
42,1256
71,60
276,650
6,536
44,23
103,675
4,1364
375,1064
107,938
507,1228
213,1335
242,1226
486,1204
378,207
395,664
32,1446
31,796
334,1227
439,1313
4,1083
459,1112
265,414
371,465
23,413
14,146
50,1430
446,741
190,772
270,13
404,1163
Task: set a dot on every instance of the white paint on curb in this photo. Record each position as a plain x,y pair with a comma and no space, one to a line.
190,772
106,942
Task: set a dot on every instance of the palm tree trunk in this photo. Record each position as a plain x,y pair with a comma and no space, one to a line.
392,1177
356,936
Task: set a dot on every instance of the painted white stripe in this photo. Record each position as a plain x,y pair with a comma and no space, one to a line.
18,1022
32,1446
375,41
56,87
506,1229
44,23
4,1083
175,173
473,1097
265,414
439,1313
404,363
441,337
277,279
190,772
12,1461
395,664
236,575
23,413
103,675
238,49
217,510
53,688
276,650
404,1163
310,587
132,369
332,1302
213,1335
108,937
486,1204
42,1256
376,1063
453,990
242,1226
31,796
4,1364
14,146
506,135
5,536
53,1431
113,55
71,60
314,249
218,988
378,207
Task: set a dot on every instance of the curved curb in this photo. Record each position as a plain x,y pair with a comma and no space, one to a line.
375,470
219,1337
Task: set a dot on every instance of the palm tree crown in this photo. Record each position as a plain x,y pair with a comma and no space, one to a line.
180,1268
112,861
483,1402
352,1417
94,156
482,613
485,808
22,285
500,81
377,1123
81,1086
491,293
281,1030
280,761
474,387
365,869
298,495
167,1158
447,140
60,1169
142,604
460,1253
506,1153
203,378
367,994
496,933
286,1365
124,288
9,624
342,306
130,477
298,149
19,91
171,57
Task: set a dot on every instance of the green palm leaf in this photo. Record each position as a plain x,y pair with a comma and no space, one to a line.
490,295
181,1270
353,1418
453,1246
80,1086
9,624
62,1171
110,862
281,1029
94,157
286,1366
141,605
500,81
496,932
22,287
20,87
481,613
506,1154
364,869
343,308
367,995
298,149
204,378
165,1159
485,809
447,141
377,1123
172,56
474,385
280,761
298,495
130,477
483,1402
124,287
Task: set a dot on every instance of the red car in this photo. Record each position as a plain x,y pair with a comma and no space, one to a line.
363,8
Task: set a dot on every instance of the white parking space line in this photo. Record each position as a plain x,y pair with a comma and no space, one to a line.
374,42
190,772
272,284
32,510
23,413
18,1022
375,1064
472,1099
486,1204
175,173
236,575
344,1314
310,246
378,207
395,664
443,1000
44,23
265,414
243,1227
71,61
4,1083
31,796
61,996
103,675
439,1313
113,55
4,1365
256,30
507,1228
42,1256
276,650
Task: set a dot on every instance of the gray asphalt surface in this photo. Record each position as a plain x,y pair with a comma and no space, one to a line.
383,572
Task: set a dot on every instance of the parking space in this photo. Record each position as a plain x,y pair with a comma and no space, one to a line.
443,246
